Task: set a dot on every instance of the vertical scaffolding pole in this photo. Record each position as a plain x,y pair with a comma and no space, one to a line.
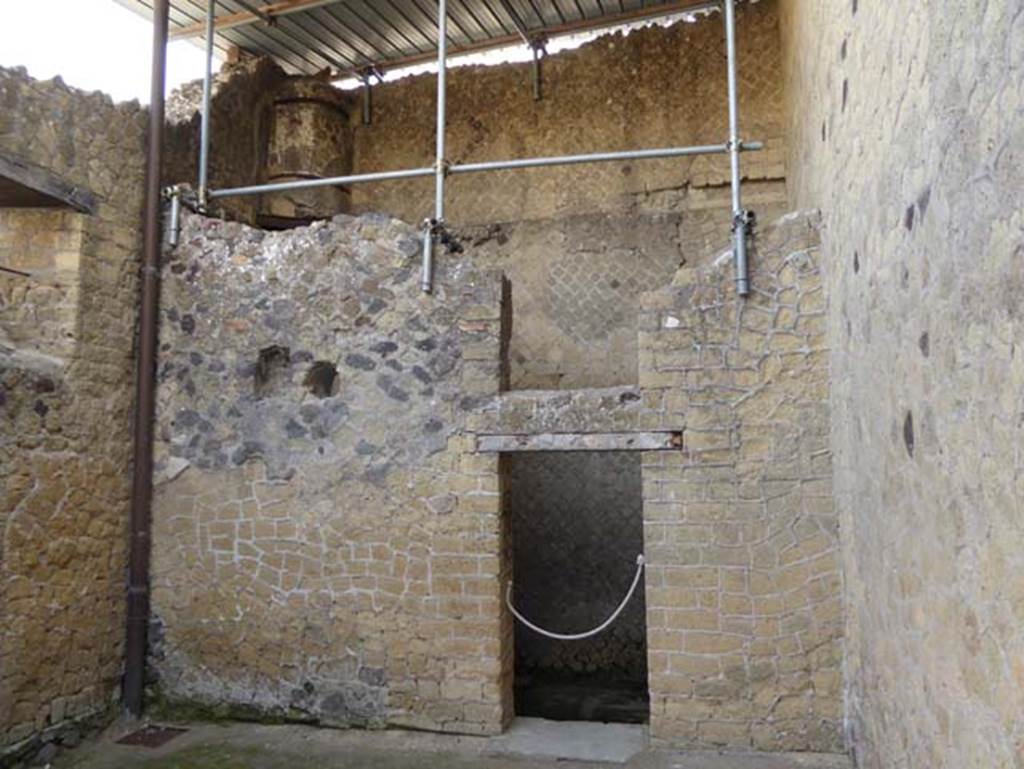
440,170
739,215
367,99
204,130
442,106
140,521
538,82
173,225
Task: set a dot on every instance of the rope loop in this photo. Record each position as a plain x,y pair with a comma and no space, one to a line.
578,636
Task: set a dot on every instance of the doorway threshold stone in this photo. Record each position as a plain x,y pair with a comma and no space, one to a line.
570,740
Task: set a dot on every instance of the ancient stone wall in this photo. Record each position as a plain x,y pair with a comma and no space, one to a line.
326,543
66,337
581,243
655,87
40,314
578,280
240,126
907,126
744,617
335,548
744,620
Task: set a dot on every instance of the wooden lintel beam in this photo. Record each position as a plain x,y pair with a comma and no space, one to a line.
631,441
26,184
242,18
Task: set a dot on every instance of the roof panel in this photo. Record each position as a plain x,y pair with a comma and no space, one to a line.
394,26
375,39
499,19
305,36
344,39
411,20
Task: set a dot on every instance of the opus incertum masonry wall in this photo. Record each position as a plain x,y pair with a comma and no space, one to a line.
330,537
907,127
326,543
330,534
581,243
330,543
66,374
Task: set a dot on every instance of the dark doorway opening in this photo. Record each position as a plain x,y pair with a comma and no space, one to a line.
577,528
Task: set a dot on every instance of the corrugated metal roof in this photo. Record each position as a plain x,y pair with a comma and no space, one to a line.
307,36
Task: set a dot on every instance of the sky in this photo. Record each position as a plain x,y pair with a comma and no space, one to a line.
95,45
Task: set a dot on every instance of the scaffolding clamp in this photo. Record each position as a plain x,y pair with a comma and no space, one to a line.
433,226
744,219
179,196
438,228
435,229
173,196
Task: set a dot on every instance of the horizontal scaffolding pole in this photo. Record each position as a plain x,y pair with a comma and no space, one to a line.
494,165
330,181
597,157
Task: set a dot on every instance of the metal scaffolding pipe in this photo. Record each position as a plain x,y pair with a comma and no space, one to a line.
538,76
427,277
204,130
329,181
367,101
174,217
494,165
739,215
597,157
442,107
427,273
140,520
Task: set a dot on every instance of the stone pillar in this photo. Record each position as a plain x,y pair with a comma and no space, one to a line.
308,139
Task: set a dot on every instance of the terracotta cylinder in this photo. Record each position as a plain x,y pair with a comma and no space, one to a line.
309,138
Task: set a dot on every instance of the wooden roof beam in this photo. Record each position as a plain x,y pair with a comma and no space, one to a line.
242,18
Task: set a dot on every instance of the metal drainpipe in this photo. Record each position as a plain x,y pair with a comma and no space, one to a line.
145,383
735,146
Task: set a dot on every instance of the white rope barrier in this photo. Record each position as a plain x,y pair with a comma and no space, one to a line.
589,633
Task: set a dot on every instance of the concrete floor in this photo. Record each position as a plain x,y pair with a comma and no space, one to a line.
530,743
